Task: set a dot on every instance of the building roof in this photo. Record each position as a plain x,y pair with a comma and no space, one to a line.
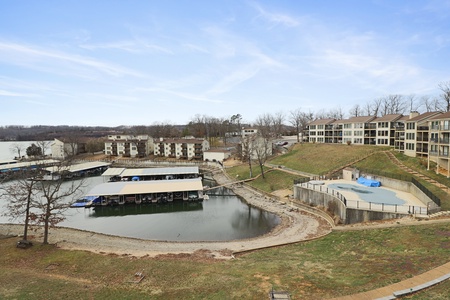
113,172
424,116
78,167
360,119
160,171
389,118
442,116
28,164
146,187
322,122
180,141
218,150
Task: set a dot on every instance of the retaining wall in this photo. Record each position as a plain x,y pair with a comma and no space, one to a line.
329,202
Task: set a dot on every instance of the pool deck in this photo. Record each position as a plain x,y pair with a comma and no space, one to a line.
349,195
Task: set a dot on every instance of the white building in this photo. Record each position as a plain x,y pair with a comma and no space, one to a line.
129,145
183,148
62,149
216,155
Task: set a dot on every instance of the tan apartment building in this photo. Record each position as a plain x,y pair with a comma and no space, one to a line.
416,134
129,145
183,148
439,143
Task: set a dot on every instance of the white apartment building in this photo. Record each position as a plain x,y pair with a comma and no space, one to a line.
62,148
184,148
129,145
416,137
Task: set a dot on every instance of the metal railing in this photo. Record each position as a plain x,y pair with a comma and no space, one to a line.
364,205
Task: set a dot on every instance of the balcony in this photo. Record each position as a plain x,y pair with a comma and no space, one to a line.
444,141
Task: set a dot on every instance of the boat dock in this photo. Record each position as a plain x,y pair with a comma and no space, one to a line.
147,185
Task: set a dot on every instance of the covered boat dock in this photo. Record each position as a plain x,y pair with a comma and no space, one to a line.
150,191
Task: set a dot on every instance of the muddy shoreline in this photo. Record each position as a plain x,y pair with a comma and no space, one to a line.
295,226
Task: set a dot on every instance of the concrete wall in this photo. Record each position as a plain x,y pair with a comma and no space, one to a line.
352,215
359,216
329,202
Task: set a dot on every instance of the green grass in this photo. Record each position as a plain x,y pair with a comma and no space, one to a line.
322,158
339,264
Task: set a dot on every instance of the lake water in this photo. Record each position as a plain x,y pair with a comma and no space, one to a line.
220,218
6,153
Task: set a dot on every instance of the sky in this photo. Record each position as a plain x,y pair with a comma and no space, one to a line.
136,62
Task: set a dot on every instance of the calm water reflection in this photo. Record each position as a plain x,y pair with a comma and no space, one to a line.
218,219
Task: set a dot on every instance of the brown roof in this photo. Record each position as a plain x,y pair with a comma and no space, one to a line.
425,116
180,141
389,118
360,119
322,122
442,116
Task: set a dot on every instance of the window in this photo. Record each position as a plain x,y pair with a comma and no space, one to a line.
359,125
347,132
347,126
358,141
358,133
319,126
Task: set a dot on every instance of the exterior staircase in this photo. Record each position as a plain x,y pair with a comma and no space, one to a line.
394,159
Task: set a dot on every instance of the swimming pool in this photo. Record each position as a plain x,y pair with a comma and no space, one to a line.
368,194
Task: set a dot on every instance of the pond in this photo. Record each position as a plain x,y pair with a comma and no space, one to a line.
223,217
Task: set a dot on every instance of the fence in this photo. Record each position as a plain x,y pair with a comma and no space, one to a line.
426,191
364,205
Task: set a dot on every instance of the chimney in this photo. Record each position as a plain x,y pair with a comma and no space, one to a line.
413,114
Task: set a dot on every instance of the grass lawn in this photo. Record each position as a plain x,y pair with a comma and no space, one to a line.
322,158
338,264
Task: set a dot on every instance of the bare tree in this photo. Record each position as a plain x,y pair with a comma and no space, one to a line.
17,148
263,140
295,118
44,145
19,194
53,201
413,103
246,150
277,120
376,106
445,96
355,111
336,113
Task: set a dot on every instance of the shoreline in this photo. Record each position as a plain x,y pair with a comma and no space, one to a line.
296,225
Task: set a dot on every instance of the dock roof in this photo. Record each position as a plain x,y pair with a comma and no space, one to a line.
146,187
28,164
150,171
78,167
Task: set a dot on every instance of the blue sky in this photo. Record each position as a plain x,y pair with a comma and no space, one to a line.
140,62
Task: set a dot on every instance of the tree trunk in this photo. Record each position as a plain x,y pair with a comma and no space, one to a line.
27,219
47,217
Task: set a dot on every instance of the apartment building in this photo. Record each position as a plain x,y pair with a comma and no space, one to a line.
183,148
129,145
63,148
439,134
358,130
416,134
324,131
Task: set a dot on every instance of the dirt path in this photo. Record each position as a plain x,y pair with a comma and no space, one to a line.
295,226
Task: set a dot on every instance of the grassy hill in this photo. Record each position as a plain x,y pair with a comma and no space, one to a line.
341,263
323,158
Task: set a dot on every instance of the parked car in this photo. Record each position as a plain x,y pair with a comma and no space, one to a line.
281,143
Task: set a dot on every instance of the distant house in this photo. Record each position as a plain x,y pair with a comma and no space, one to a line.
253,144
63,148
129,145
216,155
182,148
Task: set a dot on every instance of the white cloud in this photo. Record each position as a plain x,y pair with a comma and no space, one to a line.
29,55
